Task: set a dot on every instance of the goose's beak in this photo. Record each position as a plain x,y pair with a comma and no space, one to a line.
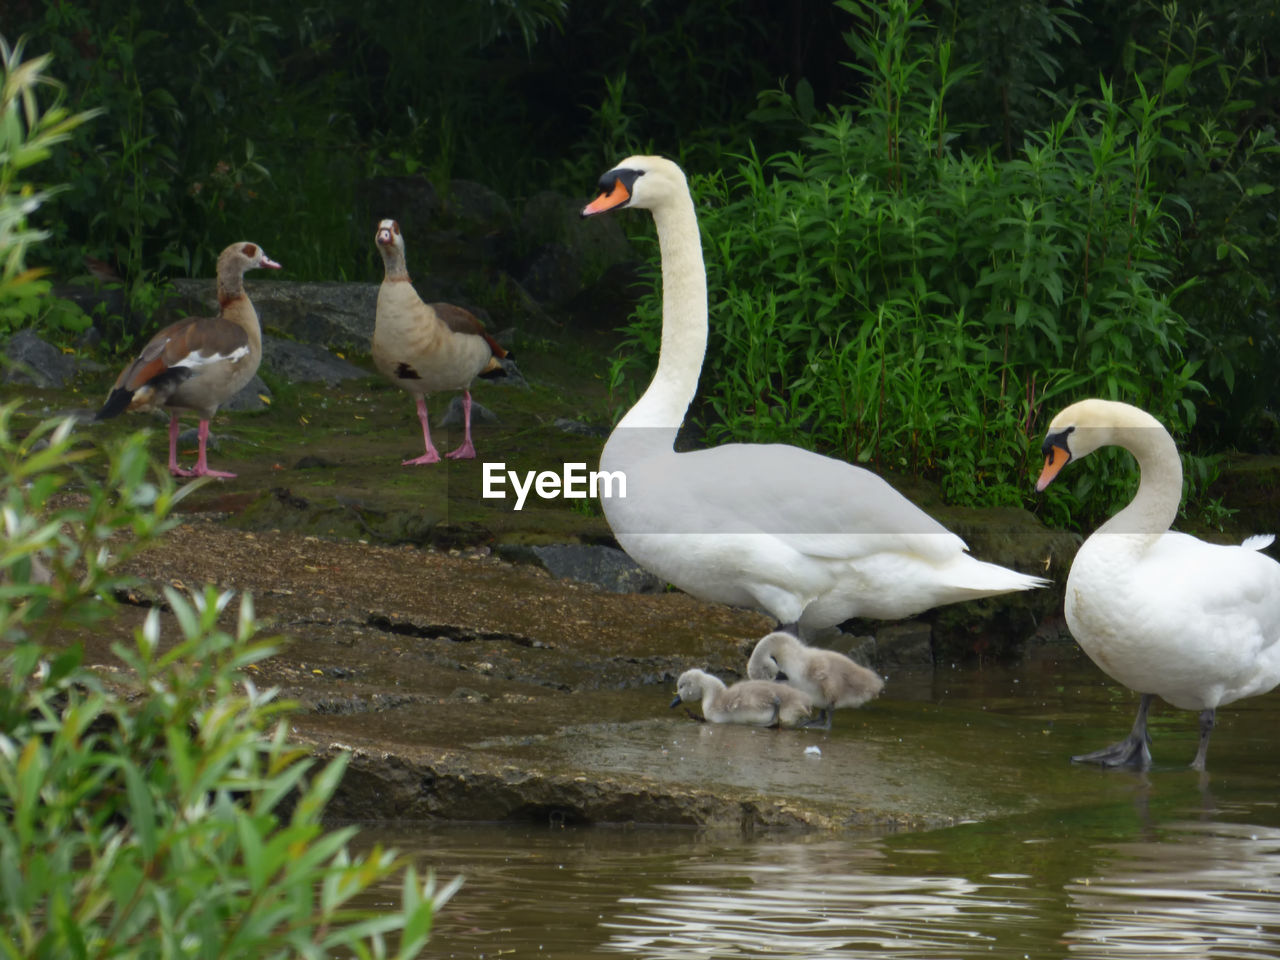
675,703
1055,458
608,199
269,263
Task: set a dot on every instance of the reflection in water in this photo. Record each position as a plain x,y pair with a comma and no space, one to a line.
1035,887
1211,890
1100,864
785,913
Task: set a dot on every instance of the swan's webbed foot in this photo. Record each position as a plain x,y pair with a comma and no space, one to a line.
821,722
1133,751
692,716
1129,752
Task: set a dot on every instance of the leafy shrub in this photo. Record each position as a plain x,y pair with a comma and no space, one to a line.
164,813
884,297
28,133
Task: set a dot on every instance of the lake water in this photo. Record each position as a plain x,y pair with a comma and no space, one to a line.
1115,865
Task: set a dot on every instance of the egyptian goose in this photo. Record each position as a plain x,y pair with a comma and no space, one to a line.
1163,613
756,703
427,347
828,679
809,539
198,363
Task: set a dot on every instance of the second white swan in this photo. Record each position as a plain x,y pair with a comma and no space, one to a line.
1163,613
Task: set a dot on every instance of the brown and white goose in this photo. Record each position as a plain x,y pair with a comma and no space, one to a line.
425,348
198,363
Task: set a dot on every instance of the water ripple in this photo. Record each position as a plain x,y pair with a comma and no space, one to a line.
1212,892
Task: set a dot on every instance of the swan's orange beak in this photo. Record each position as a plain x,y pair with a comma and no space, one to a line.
608,200
1055,458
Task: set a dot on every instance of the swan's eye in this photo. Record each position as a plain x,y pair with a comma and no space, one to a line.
1059,440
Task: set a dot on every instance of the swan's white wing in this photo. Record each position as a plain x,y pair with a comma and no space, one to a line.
816,505
1197,623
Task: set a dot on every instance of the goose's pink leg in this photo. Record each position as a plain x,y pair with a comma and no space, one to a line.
202,464
174,469
466,451
431,456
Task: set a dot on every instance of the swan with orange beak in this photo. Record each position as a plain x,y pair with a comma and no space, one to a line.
1164,613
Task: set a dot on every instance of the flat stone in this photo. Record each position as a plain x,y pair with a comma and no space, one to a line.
250,397
606,567
907,644
307,363
338,315
34,361
453,414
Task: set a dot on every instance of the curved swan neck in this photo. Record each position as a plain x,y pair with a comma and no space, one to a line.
1155,506
684,318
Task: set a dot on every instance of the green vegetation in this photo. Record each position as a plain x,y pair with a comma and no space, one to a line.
159,811
927,224
28,135
886,295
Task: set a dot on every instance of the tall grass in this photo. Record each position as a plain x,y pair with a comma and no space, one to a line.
882,296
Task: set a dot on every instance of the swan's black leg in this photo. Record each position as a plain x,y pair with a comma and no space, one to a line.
821,722
1133,750
792,628
1206,728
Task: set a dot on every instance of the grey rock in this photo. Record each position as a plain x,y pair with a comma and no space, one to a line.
565,425
452,416
412,201
33,361
907,644
606,567
858,648
190,439
250,397
307,362
563,250
553,274
337,315
512,377
476,210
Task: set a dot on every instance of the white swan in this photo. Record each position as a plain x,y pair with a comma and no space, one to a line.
830,680
1163,613
759,703
811,540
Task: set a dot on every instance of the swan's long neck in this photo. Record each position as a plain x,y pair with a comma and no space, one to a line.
684,320
1155,505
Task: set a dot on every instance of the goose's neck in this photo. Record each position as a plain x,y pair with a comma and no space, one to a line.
684,320
393,260
230,281
234,303
1155,506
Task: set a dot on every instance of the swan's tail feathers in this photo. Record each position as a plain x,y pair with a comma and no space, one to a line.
982,579
1259,541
